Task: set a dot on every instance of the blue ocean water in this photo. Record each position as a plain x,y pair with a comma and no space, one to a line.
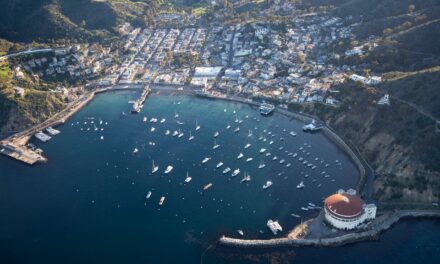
88,203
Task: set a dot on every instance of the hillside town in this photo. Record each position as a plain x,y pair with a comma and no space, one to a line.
283,63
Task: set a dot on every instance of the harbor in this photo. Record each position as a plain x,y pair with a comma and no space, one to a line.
118,166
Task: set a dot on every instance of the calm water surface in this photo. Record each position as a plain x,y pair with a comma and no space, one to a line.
88,203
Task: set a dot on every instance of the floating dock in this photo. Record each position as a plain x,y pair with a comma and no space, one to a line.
139,103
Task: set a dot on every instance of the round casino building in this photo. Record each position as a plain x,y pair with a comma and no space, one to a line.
345,210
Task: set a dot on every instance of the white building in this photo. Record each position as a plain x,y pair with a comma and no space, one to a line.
346,210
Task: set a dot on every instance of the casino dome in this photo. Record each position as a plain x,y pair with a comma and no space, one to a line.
344,205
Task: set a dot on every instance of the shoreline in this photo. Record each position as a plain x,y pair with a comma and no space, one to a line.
381,225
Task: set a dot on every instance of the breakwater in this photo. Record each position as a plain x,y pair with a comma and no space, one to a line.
377,226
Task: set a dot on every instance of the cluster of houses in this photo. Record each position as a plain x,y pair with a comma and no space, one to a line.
73,63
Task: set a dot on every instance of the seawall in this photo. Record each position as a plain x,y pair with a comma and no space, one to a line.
376,229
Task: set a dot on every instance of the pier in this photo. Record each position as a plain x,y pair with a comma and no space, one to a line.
375,228
138,104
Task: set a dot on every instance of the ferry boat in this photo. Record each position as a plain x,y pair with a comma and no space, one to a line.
52,131
266,109
206,160
240,156
168,169
300,185
313,126
219,165
162,199
267,185
207,186
43,137
235,172
155,168
226,170
274,226
247,146
187,179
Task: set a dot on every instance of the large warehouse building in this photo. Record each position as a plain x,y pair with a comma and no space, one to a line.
346,210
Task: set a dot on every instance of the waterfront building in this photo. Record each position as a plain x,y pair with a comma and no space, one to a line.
345,210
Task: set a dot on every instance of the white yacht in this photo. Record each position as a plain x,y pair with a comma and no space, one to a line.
262,150
168,169
163,120
226,170
167,132
216,146
262,165
176,115
228,126
268,154
293,134
249,159
162,199
148,195
246,178
271,142
235,172
152,129
219,164
240,232
180,134
240,156
191,137
135,150
250,133
274,226
155,168
274,158
102,137
206,160
153,120
175,133
282,161
187,179
248,145
145,119
300,185
197,126
267,185
216,134
237,130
